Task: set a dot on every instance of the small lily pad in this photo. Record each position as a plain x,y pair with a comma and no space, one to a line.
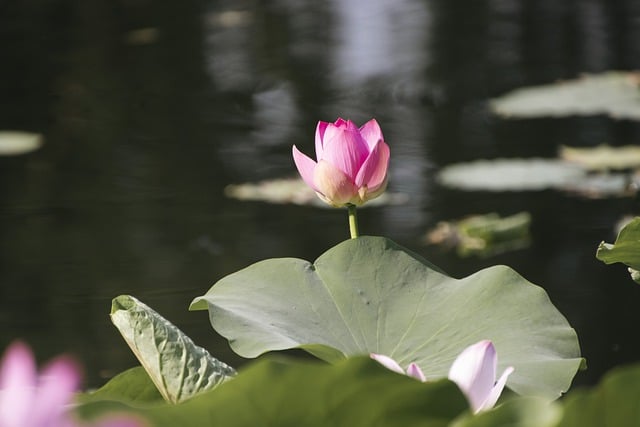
511,174
294,191
13,143
603,157
612,93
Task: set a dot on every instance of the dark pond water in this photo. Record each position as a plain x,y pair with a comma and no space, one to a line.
149,109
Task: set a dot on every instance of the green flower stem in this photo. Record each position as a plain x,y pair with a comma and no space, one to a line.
353,221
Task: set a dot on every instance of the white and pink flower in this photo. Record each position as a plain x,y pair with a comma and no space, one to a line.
474,371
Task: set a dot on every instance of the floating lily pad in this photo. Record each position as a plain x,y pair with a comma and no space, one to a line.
483,235
294,191
603,156
13,143
612,93
511,174
371,295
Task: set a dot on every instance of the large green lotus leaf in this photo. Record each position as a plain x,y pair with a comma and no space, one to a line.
371,295
179,368
614,402
626,249
284,392
613,93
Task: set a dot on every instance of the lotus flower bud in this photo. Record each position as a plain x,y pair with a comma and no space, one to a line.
351,165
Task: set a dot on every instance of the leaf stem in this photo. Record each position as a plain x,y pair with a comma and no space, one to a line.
353,221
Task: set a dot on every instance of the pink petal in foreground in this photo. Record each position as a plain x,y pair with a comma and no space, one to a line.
306,167
18,382
414,371
56,386
474,370
387,362
496,391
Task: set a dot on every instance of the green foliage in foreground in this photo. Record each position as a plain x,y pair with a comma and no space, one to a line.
359,392
626,249
387,283
615,402
370,295
282,392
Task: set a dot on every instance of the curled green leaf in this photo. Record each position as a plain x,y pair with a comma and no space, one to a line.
179,368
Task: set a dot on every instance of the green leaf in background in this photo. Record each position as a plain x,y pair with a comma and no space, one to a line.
614,402
626,249
371,295
177,367
613,93
354,392
517,412
483,235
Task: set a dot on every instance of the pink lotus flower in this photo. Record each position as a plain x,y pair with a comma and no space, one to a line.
474,370
351,165
31,400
